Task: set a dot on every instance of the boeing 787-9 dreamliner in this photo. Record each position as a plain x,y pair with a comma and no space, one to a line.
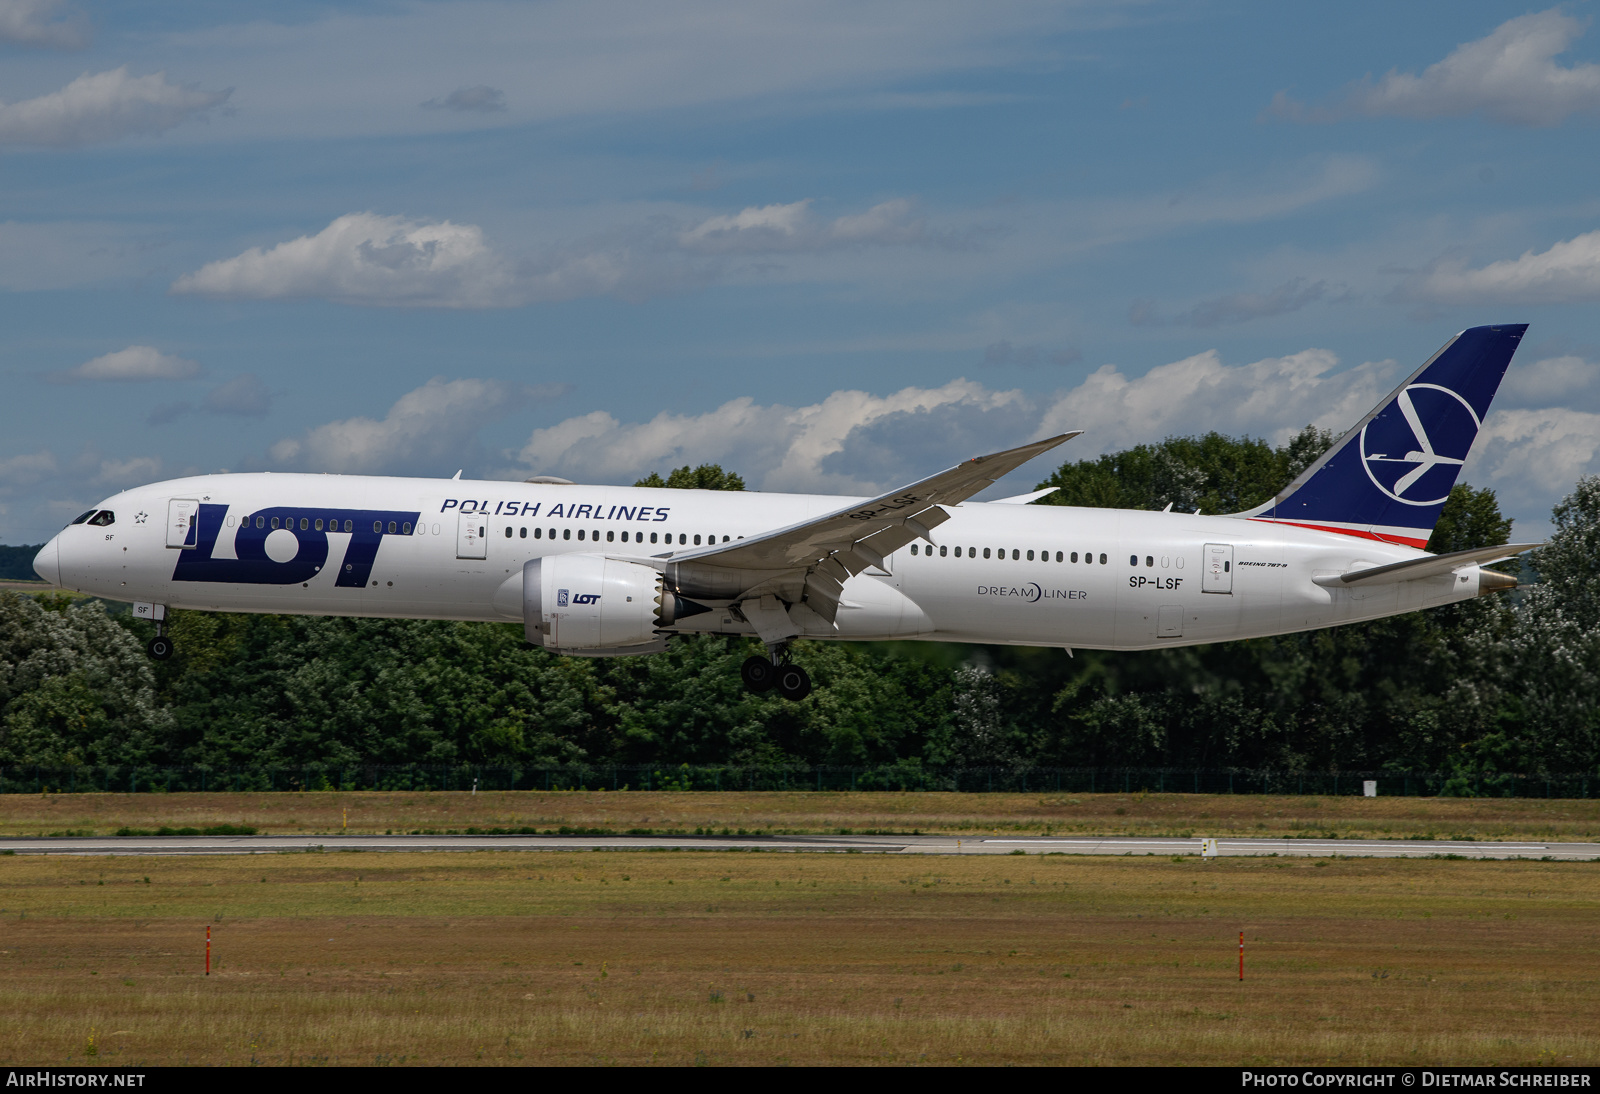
604,571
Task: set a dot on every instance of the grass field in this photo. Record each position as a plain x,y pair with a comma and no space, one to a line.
729,957
828,812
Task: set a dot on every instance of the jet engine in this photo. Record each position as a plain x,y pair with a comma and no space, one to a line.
596,605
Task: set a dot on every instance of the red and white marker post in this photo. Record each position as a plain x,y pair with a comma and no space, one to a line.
1241,953
208,951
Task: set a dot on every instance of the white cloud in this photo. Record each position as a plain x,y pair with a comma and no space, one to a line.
1243,307
390,261
245,396
1274,397
360,72
470,100
1509,76
426,428
854,441
134,364
26,469
135,471
1535,454
791,227
1568,272
30,23
103,107
1554,381
363,258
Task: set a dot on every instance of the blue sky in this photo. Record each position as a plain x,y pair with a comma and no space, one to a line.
833,246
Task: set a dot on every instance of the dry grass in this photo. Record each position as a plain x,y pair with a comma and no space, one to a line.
715,957
774,811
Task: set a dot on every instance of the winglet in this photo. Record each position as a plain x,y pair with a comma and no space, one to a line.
1024,499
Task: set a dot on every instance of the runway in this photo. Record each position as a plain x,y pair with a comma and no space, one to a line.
887,845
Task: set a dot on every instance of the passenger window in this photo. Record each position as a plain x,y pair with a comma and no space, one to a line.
348,526
942,551
319,524
1016,555
83,518
1149,560
986,552
611,537
1133,560
275,524
580,534
103,518
652,537
1102,558
913,548
566,533
1058,556
405,529
697,541
1074,556
1030,556
522,533
538,533
392,528
508,531
304,524
624,537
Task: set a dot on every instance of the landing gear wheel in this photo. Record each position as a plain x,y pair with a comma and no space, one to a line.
159,648
793,683
758,674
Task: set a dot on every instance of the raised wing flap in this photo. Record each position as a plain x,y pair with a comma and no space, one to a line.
807,543
1428,566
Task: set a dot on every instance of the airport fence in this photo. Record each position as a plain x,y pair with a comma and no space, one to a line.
35,779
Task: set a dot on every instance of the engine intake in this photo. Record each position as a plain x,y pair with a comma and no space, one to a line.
589,602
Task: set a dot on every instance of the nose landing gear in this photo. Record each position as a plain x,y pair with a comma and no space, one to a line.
762,674
160,647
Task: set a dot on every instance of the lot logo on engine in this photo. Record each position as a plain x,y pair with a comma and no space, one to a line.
586,598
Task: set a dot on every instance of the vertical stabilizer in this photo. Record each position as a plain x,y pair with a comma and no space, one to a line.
1388,478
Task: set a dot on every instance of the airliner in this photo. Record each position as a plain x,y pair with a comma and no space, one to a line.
603,571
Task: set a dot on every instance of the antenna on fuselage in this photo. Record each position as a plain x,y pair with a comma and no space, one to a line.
457,475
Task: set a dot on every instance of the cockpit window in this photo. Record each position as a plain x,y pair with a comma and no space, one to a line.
103,518
85,517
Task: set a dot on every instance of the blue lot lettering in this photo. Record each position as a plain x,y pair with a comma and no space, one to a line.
1155,582
253,567
586,598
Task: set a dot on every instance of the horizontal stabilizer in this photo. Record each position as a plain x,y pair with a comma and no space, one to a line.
1428,566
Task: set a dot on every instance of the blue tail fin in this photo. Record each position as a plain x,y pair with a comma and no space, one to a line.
1388,478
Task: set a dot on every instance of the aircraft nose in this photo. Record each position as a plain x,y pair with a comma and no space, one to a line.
47,563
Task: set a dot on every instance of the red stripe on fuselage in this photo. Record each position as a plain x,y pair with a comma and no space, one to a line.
1358,533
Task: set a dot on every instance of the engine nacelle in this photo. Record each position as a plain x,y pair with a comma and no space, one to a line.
582,603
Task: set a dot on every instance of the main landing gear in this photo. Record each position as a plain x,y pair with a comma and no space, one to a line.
762,674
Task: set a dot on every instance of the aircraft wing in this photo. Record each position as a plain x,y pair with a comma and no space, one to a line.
829,549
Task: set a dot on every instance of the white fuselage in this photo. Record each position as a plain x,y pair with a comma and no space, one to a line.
1000,573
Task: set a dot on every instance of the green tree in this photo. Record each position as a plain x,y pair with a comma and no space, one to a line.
708,476
1213,473
75,687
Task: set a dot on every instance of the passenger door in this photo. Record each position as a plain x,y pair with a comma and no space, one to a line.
1217,569
472,536
182,518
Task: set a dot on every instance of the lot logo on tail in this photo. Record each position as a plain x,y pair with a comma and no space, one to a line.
1408,462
